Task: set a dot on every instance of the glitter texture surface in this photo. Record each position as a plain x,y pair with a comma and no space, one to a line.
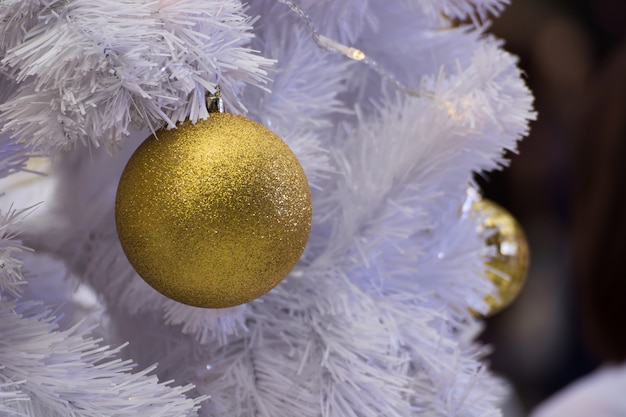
213,214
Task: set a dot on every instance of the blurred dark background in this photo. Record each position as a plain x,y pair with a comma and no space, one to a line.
565,187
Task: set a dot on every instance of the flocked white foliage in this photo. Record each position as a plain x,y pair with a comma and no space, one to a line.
296,103
91,70
461,9
62,373
47,371
374,320
11,251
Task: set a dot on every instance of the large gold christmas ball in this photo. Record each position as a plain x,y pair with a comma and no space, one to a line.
508,267
213,214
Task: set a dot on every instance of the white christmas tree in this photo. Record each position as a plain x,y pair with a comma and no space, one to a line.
374,320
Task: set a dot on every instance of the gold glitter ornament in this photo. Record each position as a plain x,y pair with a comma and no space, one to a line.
508,267
213,214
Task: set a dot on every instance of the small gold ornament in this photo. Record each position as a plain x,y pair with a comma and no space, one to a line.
213,214
507,269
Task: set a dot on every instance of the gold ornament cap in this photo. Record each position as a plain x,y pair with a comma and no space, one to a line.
213,214
508,267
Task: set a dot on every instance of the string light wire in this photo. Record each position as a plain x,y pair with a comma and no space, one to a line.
355,54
